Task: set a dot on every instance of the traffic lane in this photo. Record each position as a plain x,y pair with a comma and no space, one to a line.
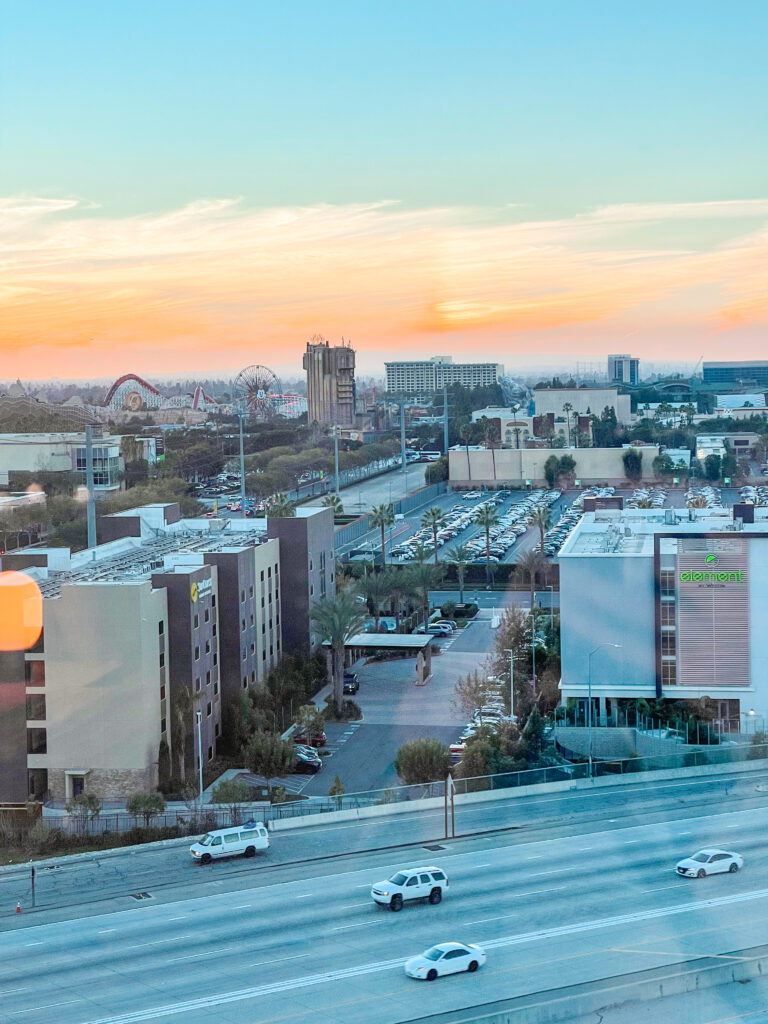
214,964
166,872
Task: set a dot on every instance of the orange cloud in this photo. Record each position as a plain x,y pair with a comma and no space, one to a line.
213,284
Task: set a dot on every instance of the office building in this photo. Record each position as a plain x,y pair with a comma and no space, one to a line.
308,570
61,453
330,383
428,375
623,369
667,604
164,605
737,374
582,401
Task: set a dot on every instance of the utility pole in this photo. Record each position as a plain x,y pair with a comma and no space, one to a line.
240,418
200,758
402,435
89,485
445,420
336,459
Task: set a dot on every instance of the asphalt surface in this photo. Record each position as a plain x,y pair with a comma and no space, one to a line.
551,910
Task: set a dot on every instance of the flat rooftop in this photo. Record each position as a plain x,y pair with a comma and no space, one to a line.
630,532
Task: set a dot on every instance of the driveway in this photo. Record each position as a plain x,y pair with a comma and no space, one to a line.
396,710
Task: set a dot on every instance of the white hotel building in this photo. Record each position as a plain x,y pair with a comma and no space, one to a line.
667,604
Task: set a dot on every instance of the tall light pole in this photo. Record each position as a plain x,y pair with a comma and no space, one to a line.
243,507
589,696
336,459
200,758
445,421
511,654
551,588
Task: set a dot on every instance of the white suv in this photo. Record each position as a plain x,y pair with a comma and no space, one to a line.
410,884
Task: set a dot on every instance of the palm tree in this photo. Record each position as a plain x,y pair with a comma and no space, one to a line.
376,588
334,501
400,586
568,409
336,621
487,518
647,503
281,507
489,436
460,557
432,520
424,578
465,433
529,564
543,519
382,516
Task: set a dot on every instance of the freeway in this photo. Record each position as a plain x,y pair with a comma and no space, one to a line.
551,912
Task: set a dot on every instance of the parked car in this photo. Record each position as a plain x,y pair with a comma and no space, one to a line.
709,862
306,759
451,623
351,682
316,739
410,884
445,958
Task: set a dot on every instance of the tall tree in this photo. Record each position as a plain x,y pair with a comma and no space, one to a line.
382,516
432,520
335,622
465,433
529,565
281,508
269,756
333,501
568,409
491,439
181,727
376,588
424,578
487,518
459,556
541,518
423,760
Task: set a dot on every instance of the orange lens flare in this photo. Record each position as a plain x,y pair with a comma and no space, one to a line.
21,611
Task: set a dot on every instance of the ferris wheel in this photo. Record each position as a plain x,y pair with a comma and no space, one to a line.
258,389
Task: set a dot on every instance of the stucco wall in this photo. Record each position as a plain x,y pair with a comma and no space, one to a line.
516,466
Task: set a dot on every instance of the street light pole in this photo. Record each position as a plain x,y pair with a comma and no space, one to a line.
200,759
511,654
336,459
551,588
589,697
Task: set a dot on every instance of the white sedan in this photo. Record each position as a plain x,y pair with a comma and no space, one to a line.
709,862
445,958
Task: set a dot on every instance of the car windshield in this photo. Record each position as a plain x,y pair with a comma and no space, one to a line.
434,953
206,840
399,879
702,858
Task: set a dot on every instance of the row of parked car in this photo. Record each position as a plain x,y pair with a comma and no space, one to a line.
757,495
643,496
711,496
491,714
512,524
456,519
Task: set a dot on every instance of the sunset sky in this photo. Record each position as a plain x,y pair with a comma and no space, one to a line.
194,186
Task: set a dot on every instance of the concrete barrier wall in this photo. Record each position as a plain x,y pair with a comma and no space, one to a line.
577,1001
606,743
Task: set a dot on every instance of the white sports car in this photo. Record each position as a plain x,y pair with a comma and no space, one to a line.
709,862
445,958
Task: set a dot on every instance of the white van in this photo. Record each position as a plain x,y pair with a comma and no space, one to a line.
228,842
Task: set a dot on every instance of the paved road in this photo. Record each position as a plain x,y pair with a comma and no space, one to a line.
551,912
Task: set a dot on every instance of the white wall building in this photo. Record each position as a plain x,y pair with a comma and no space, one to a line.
667,604
427,375
582,401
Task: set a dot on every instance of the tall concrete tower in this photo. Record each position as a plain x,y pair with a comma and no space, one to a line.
330,382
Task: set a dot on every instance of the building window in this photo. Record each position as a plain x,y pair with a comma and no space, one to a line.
196,622
162,659
252,619
37,741
209,709
242,595
215,658
34,673
668,673
207,646
668,643
162,725
253,676
216,729
197,684
250,591
210,753
668,613
213,600
207,615
197,654
161,627
271,651
253,648
242,625
162,692
263,655
263,628
667,583
208,678
213,629
262,575
36,707
245,682
37,779
215,688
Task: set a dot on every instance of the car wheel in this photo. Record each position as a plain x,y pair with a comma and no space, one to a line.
431,974
396,903
472,966
701,873
435,896
733,868
250,851
205,859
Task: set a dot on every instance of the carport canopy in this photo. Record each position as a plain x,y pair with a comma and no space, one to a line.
408,643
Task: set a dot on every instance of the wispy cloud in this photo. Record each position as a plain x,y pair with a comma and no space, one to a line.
222,283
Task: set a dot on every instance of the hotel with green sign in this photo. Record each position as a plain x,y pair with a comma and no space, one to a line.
667,604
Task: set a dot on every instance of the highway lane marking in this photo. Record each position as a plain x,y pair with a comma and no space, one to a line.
304,896
279,960
243,906
157,942
45,1006
194,956
349,906
182,918
106,931
34,943
675,885
329,977
629,842
557,871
